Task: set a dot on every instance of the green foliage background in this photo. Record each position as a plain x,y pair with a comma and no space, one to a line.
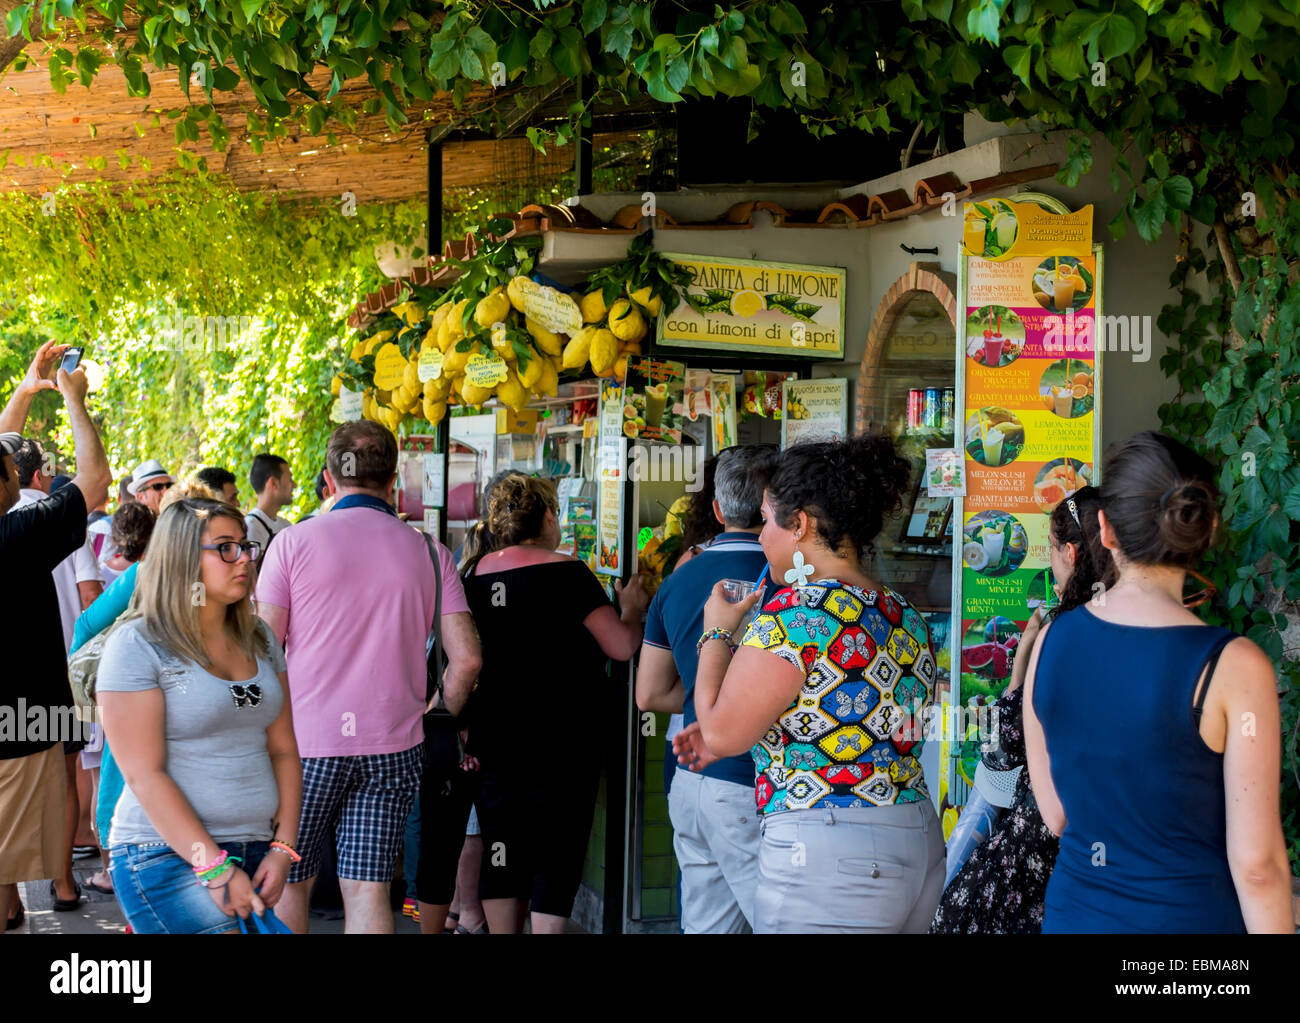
105,264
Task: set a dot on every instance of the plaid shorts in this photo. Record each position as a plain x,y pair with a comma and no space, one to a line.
365,800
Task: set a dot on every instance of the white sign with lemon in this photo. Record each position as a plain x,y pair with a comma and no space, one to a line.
749,306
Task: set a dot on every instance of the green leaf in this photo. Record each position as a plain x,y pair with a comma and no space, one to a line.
1150,217
593,15
1118,37
734,54
1178,192
327,26
1244,16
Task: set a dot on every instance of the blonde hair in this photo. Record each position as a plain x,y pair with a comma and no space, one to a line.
165,584
189,489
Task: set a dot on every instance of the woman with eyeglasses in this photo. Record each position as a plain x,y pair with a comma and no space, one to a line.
1153,739
194,698
547,629
1000,888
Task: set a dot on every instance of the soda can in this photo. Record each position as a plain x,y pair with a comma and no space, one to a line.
915,403
932,413
946,408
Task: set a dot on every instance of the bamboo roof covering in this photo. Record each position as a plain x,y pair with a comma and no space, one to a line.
373,162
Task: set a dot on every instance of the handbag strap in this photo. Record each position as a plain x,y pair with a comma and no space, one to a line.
436,655
1211,661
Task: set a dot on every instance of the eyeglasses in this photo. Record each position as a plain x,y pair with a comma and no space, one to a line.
246,695
1201,596
158,486
230,550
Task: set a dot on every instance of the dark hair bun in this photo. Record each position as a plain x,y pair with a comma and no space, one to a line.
517,508
1187,519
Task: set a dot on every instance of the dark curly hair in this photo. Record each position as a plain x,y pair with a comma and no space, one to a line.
132,526
848,486
517,509
1093,564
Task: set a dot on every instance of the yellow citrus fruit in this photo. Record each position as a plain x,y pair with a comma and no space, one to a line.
578,349
454,361
642,297
747,302
411,375
603,352
512,393
495,307
547,341
515,291
530,376
550,381
625,320
631,348
336,385
473,394
434,411
438,315
501,344
593,306
411,312
620,367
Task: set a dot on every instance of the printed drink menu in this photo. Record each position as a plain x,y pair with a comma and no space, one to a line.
1031,289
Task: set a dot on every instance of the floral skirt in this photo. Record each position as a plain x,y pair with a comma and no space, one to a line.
1001,888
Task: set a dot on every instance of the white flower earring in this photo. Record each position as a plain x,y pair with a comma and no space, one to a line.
799,575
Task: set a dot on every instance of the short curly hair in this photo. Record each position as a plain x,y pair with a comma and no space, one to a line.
132,526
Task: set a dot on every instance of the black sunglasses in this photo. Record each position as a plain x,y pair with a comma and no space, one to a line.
230,550
246,695
157,486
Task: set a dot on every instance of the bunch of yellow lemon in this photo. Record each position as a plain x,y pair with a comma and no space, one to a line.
507,368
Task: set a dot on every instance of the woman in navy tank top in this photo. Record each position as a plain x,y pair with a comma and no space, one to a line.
1154,740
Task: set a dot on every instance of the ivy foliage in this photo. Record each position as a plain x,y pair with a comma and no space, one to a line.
114,271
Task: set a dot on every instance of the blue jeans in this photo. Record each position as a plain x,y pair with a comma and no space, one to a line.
411,852
159,893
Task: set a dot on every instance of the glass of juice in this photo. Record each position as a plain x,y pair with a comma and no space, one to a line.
993,350
1004,225
1064,398
993,542
993,446
1063,294
973,235
656,397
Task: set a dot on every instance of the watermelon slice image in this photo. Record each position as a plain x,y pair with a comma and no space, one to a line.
978,657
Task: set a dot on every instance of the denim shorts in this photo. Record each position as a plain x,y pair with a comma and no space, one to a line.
159,893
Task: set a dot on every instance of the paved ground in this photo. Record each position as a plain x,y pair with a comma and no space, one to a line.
99,914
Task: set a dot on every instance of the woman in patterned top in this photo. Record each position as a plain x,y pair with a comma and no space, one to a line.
830,688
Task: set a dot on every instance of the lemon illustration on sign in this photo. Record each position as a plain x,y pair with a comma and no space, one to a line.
747,302
975,556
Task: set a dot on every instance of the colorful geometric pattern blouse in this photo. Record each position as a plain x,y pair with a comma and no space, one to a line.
853,735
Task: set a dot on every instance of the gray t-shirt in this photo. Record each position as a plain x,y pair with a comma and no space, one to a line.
216,737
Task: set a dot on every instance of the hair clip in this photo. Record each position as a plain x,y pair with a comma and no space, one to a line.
1074,510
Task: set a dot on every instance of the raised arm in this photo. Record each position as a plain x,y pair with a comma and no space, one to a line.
93,475
39,377
619,636
1252,762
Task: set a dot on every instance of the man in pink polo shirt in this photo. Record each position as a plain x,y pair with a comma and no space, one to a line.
351,596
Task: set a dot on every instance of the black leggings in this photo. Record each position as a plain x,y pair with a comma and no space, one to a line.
536,827
446,795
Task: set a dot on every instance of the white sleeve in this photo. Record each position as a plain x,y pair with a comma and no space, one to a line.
256,528
84,564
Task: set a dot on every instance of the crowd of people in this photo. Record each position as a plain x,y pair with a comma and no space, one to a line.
274,703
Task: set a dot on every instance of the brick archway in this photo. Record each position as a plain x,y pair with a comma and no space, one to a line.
920,277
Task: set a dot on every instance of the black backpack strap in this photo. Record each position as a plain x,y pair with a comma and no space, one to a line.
1207,670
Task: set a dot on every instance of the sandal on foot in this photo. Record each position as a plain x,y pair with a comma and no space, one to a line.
66,905
102,889
15,921
452,924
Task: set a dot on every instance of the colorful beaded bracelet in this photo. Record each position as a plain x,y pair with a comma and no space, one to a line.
721,634
287,849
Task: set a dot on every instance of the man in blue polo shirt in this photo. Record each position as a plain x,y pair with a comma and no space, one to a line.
715,823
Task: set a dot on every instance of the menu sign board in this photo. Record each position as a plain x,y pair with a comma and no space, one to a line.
1029,428
748,306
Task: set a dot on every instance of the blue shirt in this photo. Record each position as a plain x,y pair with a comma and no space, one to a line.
676,620
106,609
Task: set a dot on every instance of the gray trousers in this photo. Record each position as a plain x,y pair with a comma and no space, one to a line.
839,870
715,837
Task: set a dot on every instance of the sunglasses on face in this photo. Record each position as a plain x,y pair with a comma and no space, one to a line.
230,550
157,486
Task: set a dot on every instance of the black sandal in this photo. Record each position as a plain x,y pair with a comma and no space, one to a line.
15,921
66,905
454,920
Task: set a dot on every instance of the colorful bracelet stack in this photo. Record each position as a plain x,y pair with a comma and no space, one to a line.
219,868
721,634
280,845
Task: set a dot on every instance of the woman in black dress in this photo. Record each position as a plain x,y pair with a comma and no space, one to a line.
1000,889
547,630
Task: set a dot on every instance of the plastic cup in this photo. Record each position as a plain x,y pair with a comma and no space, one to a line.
993,350
656,397
736,590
